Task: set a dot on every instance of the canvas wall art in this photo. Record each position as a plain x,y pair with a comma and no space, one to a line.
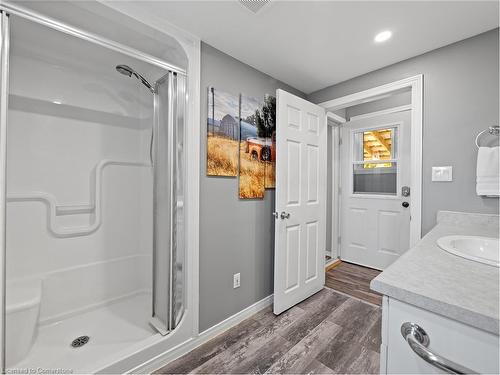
269,119
252,148
222,133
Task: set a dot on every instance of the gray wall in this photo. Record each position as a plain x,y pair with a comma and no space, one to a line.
460,99
395,100
235,235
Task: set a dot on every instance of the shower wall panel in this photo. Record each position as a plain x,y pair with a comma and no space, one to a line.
69,112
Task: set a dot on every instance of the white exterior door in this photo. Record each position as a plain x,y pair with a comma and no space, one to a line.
375,195
300,231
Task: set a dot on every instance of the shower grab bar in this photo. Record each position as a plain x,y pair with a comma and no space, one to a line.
493,130
95,207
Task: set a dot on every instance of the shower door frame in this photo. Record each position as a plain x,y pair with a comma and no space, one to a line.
192,136
4,104
171,80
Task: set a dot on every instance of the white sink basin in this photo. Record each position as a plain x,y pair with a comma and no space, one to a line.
479,249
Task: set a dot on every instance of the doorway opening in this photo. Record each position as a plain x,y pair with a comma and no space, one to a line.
378,169
374,174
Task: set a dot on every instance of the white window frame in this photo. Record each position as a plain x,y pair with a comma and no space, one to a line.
352,194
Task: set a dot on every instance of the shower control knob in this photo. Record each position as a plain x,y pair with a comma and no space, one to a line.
405,204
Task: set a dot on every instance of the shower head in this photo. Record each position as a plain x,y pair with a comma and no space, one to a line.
125,70
128,71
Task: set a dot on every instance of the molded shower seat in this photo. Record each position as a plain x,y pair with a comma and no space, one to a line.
22,308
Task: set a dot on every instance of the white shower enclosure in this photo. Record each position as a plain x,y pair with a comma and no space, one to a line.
92,193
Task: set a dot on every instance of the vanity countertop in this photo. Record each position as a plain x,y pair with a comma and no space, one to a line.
430,278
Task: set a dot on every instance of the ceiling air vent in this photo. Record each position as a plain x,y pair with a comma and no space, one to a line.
254,5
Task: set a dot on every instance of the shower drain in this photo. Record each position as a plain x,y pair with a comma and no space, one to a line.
80,341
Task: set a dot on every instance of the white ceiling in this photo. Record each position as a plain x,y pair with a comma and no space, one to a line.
314,44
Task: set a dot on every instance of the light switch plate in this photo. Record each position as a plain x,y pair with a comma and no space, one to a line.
236,280
442,174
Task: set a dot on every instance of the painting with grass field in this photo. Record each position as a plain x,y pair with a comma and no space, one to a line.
222,133
251,166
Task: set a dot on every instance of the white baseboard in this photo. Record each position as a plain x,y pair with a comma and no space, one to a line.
203,337
237,318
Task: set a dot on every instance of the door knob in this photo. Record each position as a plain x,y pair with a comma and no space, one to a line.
405,204
285,215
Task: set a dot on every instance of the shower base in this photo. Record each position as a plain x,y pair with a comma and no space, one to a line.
111,329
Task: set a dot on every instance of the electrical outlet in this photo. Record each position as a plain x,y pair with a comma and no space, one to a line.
236,280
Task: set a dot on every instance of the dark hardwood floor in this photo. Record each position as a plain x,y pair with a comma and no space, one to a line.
327,333
354,280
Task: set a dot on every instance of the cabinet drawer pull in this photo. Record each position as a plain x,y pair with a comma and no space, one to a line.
419,341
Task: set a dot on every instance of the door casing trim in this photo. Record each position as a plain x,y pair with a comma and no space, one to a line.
415,85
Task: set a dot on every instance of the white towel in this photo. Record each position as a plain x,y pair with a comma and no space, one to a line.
488,174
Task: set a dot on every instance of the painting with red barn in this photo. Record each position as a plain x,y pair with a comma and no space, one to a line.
222,133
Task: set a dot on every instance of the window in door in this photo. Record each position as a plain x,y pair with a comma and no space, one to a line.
375,161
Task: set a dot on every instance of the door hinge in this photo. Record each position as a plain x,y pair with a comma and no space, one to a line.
340,141
339,240
340,190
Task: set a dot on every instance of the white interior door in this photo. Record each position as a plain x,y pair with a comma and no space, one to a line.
374,195
300,231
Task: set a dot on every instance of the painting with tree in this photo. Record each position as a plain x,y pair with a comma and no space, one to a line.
222,133
269,132
252,167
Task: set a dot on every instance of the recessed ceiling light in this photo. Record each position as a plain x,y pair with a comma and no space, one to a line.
383,36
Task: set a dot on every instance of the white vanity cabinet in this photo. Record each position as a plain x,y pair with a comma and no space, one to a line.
454,341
